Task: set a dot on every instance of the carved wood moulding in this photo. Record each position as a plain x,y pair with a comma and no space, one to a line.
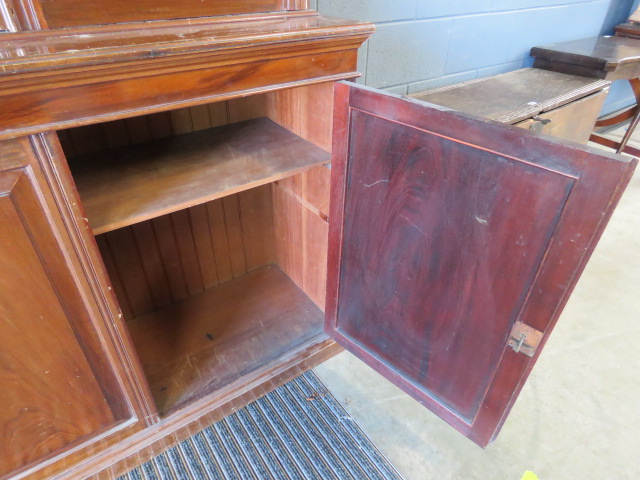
113,71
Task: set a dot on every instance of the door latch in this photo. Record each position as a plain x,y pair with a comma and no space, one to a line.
538,124
524,339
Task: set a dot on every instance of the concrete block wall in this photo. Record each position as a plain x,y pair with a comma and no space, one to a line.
424,44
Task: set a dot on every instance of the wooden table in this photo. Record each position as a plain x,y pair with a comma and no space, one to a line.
610,58
565,106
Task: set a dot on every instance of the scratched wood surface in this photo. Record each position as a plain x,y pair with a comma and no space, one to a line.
514,96
166,271
226,332
464,225
122,71
157,262
445,229
132,184
138,449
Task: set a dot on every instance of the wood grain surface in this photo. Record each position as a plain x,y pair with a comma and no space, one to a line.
97,138
122,70
68,13
74,47
574,121
9,21
199,415
159,262
608,57
631,30
306,111
301,244
514,96
445,230
301,202
442,242
50,397
126,186
194,347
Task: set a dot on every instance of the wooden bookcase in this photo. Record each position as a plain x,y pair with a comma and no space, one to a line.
166,183
182,166
196,212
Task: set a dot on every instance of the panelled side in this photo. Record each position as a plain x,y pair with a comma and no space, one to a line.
57,396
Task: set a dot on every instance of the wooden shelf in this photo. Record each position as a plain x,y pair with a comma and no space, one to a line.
124,186
223,336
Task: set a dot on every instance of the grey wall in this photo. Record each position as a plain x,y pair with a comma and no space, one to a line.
422,44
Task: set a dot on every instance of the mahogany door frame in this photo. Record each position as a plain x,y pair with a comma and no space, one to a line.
598,179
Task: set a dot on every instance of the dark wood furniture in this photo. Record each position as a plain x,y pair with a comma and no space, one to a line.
565,106
631,28
167,225
610,58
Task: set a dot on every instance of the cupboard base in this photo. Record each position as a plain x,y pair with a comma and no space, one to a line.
139,448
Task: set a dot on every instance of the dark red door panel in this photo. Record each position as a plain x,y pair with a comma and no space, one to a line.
445,232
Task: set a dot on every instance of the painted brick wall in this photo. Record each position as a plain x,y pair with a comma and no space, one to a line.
423,44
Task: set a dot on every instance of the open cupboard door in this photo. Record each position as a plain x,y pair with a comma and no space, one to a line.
454,245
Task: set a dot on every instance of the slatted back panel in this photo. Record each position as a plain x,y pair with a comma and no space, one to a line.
131,131
300,203
161,261
164,260
69,13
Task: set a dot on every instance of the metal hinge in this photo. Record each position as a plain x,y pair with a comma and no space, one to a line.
524,339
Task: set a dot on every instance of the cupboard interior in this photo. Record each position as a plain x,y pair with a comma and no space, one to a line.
218,280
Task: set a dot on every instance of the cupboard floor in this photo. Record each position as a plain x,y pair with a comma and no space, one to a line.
211,340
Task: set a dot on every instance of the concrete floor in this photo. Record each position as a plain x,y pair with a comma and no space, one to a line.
578,416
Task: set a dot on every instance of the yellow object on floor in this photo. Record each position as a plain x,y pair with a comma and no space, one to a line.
529,476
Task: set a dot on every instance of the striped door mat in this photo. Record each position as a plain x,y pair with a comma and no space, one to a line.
298,431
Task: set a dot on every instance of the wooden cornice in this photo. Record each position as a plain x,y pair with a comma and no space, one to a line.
119,43
245,53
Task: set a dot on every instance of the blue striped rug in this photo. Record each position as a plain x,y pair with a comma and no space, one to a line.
298,431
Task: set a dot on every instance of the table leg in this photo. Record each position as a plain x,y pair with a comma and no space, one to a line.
632,113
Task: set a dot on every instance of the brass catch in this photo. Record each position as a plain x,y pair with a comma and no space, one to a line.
524,339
